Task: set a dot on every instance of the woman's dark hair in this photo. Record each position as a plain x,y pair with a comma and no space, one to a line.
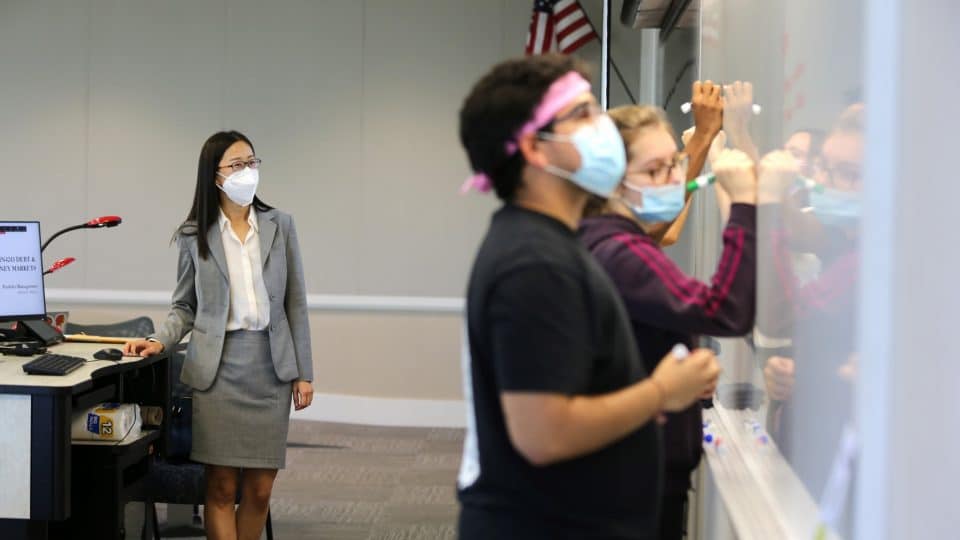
498,106
204,212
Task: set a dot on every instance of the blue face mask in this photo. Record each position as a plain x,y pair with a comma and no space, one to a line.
603,158
660,203
836,208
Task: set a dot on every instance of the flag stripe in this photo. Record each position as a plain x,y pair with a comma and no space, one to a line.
562,12
541,26
573,28
579,43
557,25
566,22
535,38
551,40
548,40
576,39
574,33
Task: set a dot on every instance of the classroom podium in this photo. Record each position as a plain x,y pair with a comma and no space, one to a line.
53,487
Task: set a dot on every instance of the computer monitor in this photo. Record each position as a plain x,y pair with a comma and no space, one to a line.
21,272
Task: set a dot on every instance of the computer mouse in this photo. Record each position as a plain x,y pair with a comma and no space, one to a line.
109,354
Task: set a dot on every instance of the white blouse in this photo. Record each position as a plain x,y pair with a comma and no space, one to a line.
249,303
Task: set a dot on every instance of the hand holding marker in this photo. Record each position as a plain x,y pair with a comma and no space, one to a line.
705,180
679,351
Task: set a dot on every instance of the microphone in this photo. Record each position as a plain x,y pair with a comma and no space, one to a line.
103,221
96,223
58,265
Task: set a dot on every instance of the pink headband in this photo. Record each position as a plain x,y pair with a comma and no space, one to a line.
557,97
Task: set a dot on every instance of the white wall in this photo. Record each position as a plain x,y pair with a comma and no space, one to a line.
352,104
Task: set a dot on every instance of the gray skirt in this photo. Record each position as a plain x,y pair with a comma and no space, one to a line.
243,419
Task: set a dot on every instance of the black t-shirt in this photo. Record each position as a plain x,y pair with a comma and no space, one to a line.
542,316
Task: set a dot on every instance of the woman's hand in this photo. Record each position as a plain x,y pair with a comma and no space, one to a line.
737,112
779,377
302,394
738,107
142,347
707,104
735,174
778,171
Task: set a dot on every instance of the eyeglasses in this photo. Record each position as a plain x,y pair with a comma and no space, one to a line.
584,111
238,166
659,175
843,174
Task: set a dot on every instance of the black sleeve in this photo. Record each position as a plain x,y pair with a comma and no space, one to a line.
540,331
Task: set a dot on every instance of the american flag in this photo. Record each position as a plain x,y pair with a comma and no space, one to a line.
558,25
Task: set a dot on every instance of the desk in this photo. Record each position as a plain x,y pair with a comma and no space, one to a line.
43,476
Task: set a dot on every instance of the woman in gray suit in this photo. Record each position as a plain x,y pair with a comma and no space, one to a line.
240,290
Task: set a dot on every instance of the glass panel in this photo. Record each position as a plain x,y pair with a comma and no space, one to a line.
802,63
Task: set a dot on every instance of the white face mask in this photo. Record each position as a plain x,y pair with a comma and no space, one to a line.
241,186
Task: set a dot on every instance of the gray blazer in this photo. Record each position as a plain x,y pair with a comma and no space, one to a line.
202,299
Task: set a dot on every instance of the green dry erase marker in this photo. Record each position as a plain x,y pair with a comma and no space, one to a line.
701,181
705,180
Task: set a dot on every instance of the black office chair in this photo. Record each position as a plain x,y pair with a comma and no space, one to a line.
139,327
176,479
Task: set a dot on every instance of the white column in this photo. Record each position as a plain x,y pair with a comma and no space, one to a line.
907,408
650,67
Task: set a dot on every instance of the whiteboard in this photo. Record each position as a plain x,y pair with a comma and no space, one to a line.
805,64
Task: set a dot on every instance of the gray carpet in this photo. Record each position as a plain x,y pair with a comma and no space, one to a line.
346,482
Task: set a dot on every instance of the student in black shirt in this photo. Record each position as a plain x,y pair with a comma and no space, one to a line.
562,441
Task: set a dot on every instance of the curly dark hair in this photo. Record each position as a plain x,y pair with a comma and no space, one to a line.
497,107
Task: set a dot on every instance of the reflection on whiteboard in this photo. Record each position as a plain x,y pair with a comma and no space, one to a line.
803,64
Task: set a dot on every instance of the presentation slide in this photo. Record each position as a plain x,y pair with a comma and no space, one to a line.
21,270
